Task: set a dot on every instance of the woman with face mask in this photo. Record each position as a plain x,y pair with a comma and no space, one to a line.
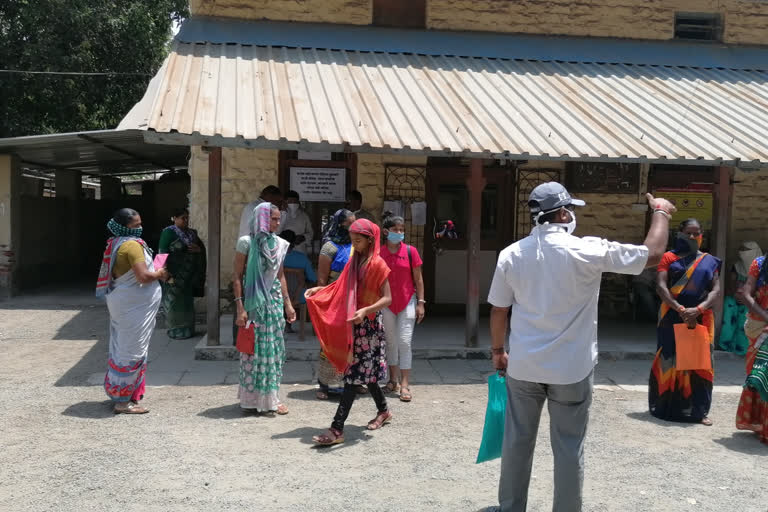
407,308
129,283
688,285
186,262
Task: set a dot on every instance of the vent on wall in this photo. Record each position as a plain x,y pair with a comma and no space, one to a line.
700,26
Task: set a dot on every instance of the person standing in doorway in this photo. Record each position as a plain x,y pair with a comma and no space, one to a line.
407,308
355,205
688,283
550,280
270,194
296,219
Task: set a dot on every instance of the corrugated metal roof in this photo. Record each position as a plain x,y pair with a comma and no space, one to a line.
95,152
243,95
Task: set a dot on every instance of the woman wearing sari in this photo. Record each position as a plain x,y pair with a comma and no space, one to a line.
128,281
688,285
186,262
334,255
752,413
348,323
259,268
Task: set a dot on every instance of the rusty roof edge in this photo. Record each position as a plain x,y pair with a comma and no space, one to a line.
196,139
204,29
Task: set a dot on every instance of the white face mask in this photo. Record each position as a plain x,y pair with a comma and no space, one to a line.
293,207
571,226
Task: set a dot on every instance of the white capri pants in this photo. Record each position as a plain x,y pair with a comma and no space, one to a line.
398,329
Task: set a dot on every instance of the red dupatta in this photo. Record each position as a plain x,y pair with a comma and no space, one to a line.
358,286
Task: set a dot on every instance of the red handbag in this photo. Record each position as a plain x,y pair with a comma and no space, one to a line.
246,338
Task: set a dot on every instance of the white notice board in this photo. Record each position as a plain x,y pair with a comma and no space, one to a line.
319,184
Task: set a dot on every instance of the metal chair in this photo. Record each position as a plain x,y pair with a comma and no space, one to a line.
294,279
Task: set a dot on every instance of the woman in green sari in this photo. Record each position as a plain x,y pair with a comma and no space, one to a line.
186,263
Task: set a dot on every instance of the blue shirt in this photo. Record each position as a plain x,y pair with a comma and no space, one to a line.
296,259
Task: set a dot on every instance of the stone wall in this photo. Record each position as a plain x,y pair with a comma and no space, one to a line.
245,173
745,21
370,177
750,196
354,12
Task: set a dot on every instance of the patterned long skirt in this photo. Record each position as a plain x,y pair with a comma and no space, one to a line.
752,413
677,395
261,373
369,353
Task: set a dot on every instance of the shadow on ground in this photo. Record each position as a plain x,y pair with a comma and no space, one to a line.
90,410
744,442
353,435
646,416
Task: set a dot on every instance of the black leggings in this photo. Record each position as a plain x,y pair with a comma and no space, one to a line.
348,398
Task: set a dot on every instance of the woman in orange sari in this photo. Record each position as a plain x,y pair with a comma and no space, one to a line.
347,318
688,285
752,413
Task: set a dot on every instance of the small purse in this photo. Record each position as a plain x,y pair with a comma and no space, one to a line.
246,338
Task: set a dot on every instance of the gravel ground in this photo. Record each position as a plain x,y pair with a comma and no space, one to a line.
63,449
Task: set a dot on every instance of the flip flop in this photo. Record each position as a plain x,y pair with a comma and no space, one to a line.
335,437
132,408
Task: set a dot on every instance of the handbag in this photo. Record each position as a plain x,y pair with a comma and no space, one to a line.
495,416
246,338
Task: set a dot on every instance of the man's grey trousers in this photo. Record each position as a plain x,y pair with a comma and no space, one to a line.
568,406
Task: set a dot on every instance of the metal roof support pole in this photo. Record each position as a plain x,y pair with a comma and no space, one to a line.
475,185
720,228
214,245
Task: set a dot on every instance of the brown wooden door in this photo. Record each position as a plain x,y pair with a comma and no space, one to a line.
445,259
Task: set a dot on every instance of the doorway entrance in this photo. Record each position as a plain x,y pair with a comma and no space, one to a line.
445,247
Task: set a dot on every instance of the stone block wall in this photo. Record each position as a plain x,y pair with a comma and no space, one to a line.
353,12
745,20
750,198
370,177
244,174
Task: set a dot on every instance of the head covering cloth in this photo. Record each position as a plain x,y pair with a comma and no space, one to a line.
265,256
336,232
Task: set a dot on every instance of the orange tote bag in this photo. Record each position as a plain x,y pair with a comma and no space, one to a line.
692,348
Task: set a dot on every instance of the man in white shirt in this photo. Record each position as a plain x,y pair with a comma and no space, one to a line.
296,219
270,194
551,282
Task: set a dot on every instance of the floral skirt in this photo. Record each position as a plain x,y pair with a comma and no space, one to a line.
369,353
261,373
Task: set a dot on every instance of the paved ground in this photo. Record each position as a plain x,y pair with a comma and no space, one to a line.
64,450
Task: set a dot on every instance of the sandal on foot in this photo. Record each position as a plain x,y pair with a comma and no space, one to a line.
321,395
405,394
282,409
332,437
131,408
706,421
380,420
391,387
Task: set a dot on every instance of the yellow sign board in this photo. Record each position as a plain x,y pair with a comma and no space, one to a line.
697,204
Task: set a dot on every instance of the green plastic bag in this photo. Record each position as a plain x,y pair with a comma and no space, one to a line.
493,431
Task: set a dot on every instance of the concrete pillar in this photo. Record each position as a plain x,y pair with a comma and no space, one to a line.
111,188
69,187
10,224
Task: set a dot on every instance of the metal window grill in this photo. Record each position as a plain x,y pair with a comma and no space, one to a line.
407,184
701,26
527,180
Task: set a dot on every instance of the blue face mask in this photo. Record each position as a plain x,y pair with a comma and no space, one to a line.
395,238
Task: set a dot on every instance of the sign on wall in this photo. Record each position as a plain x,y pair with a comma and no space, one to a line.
690,203
318,184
